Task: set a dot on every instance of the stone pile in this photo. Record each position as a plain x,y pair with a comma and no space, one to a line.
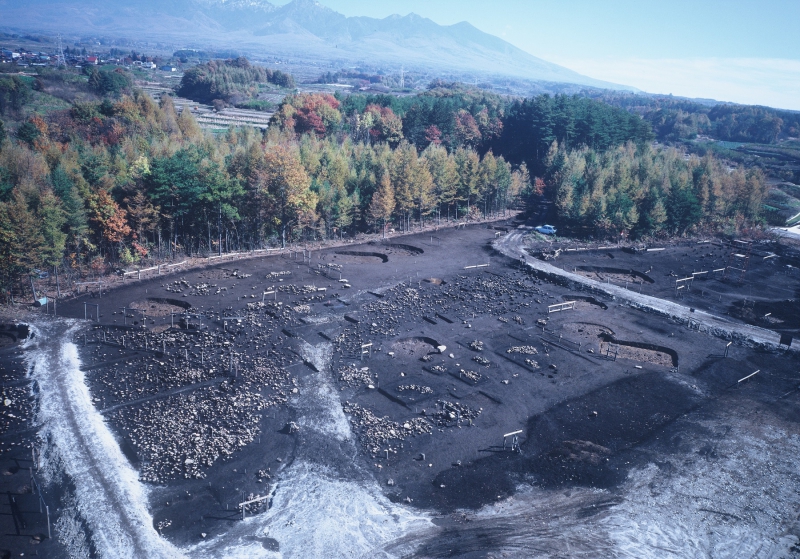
523,349
449,412
465,295
415,388
471,375
477,345
181,434
481,360
256,506
184,434
295,290
201,289
374,431
351,375
262,474
349,342
177,286
277,275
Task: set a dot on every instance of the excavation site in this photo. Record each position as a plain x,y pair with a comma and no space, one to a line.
477,392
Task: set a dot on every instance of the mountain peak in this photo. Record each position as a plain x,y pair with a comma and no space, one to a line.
299,30
256,5
311,5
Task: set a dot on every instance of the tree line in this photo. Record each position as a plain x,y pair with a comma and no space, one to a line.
231,81
676,119
115,182
455,116
639,191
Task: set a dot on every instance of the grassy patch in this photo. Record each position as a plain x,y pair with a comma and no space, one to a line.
257,105
43,103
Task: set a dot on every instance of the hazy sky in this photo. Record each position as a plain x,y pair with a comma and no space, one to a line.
741,51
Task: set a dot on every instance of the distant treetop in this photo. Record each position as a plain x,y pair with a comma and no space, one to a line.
233,80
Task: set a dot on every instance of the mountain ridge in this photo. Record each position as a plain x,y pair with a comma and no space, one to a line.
301,28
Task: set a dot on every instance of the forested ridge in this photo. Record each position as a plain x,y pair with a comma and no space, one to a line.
116,182
674,119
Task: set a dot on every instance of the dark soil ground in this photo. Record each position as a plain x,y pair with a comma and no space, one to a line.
767,294
22,528
430,421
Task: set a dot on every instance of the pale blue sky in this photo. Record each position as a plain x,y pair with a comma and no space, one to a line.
741,51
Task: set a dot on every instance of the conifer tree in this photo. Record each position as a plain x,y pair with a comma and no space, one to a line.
382,205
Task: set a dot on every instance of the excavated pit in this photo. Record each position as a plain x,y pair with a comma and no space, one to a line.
614,275
358,257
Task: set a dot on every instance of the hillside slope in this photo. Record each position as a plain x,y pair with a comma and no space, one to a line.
300,29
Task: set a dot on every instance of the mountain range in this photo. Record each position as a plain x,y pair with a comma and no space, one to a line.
300,29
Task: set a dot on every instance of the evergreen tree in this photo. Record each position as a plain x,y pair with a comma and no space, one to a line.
52,219
21,242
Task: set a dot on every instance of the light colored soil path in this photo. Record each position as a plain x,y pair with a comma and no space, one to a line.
512,245
111,500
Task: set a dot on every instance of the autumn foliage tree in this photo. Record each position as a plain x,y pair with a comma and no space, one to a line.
286,187
382,204
124,178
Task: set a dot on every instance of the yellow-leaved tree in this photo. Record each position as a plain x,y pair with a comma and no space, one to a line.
382,204
286,186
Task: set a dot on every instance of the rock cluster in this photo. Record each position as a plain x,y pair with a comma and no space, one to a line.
177,286
181,435
203,399
272,276
376,431
474,294
355,376
256,506
448,412
524,350
297,290
415,388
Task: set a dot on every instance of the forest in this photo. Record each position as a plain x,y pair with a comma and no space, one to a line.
675,119
109,184
232,81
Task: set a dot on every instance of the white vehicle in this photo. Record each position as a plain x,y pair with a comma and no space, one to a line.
546,229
